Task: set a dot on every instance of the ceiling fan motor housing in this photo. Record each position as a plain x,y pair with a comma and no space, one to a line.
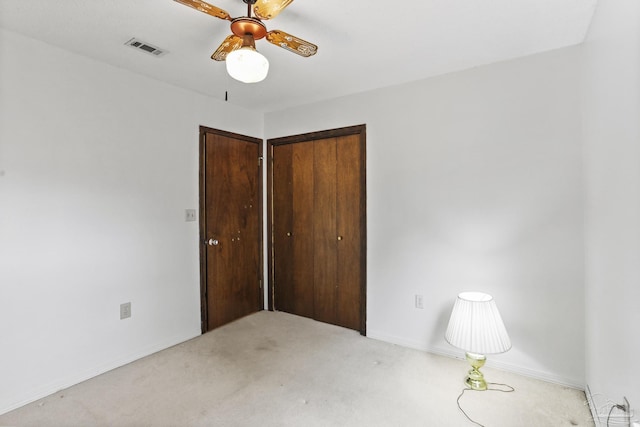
245,25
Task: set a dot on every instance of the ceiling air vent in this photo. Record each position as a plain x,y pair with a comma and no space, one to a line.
146,47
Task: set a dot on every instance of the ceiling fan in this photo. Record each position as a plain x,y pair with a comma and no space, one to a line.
244,63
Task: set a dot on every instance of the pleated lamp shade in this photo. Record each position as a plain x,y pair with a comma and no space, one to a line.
475,325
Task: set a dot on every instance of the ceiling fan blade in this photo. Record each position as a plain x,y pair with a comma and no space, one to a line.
206,8
291,43
268,9
229,44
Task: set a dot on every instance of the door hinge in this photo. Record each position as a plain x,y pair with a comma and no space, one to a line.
260,283
259,161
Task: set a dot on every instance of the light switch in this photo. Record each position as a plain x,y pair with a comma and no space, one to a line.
190,215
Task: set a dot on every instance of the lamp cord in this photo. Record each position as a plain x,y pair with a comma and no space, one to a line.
615,406
510,389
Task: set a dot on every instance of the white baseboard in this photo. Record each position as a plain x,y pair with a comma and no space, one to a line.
593,407
67,382
545,376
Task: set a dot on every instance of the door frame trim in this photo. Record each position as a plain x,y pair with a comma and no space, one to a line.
204,315
359,130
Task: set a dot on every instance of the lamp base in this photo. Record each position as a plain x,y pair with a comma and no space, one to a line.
475,379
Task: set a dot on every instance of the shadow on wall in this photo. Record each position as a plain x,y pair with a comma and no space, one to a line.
437,335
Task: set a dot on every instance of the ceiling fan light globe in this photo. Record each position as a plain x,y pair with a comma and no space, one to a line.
247,65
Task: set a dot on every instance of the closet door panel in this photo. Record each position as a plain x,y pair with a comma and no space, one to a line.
324,225
282,226
302,235
349,213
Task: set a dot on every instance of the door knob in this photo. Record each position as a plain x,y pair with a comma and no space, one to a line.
212,242
339,237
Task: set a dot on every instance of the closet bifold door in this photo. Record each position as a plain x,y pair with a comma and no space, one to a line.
318,226
292,234
302,234
349,233
325,266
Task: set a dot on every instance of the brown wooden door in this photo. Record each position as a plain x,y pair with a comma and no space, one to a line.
325,265
317,212
293,234
230,227
350,232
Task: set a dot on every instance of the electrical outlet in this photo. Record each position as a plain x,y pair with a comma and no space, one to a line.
190,215
419,301
125,310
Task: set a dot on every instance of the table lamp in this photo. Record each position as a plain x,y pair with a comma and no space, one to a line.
476,327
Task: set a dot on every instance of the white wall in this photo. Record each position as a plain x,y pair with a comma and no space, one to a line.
612,161
474,182
97,166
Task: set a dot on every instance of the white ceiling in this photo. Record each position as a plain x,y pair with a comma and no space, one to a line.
362,44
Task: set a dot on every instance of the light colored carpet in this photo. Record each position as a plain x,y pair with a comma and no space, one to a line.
275,369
